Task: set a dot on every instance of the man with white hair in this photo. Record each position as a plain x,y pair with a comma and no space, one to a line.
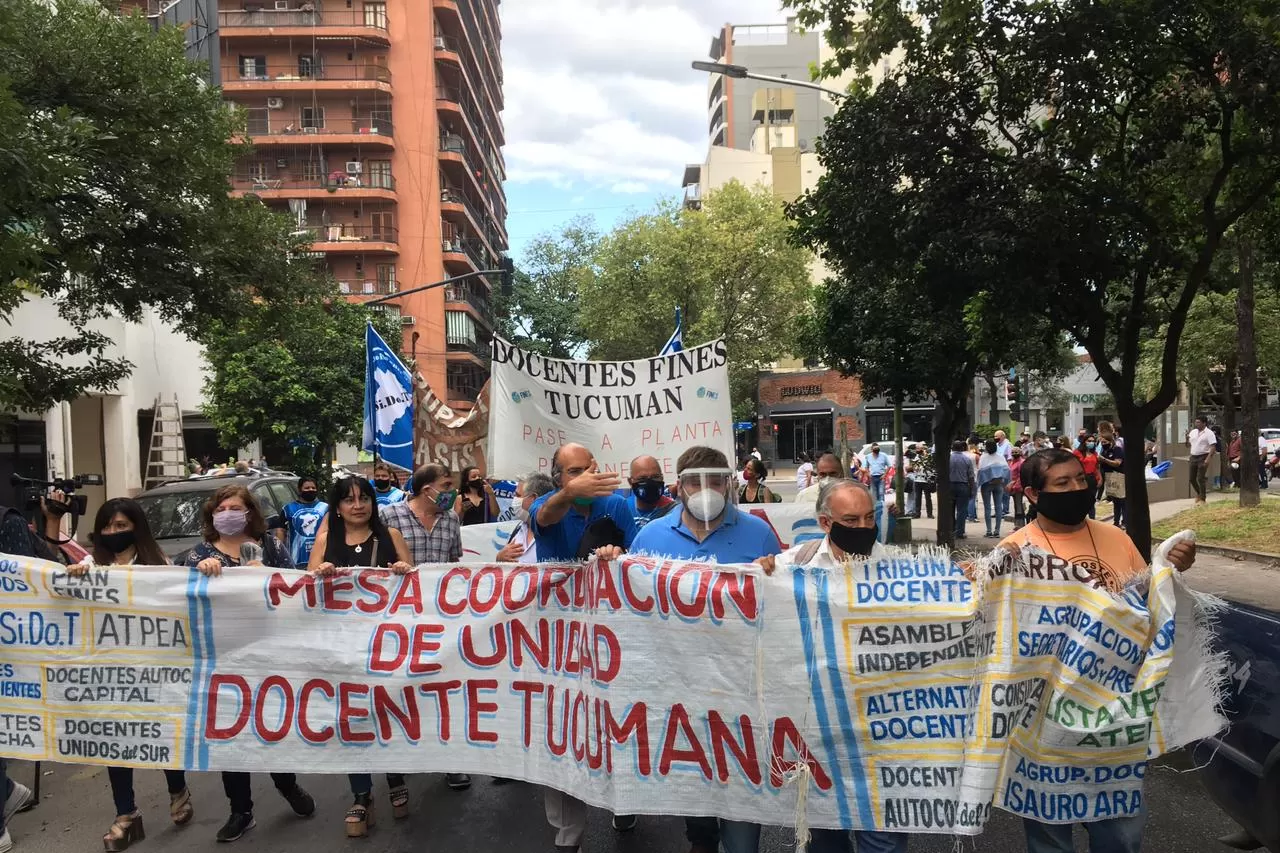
522,546
847,515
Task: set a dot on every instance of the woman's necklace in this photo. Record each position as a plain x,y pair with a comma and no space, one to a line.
1047,538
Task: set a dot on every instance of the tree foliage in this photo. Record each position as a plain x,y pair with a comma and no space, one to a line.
729,267
1126,136
292,371
116,159
542,315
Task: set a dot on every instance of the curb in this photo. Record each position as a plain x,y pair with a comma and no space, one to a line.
1238,554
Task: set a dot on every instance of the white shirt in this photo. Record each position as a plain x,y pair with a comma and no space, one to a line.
802,475
824,559
1202,441
810,495
1005,448
755,454
525,535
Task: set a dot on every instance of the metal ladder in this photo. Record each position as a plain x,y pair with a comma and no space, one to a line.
168,457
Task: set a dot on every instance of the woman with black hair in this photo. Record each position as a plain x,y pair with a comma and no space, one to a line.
122,537
476,502
355,536
754,491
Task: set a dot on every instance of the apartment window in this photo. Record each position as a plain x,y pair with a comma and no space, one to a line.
460,329
382,225
308,66
258,170
313,170
386,278
380,173
449,237
313,117
253,67
375,15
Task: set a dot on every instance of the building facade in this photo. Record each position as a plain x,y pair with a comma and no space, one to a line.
376,124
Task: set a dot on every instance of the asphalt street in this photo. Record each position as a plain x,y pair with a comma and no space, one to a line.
75,810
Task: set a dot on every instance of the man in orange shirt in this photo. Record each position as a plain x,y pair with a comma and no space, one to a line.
1098,554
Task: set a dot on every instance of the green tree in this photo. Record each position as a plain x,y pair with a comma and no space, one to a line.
729,267
542,314
116,159
292,372
1129,135
927,292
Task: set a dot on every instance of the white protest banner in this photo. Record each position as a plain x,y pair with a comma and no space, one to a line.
657,406
900,695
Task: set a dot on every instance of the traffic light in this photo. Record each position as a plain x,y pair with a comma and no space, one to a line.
1011,393
508,277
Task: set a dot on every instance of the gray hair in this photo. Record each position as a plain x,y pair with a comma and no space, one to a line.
830,489
537,484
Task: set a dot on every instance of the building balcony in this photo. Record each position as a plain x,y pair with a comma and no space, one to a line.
448,50
292,78
467,349
464,382
374,186
470,297
464,256
457,164
304,23
366,287
458,208
273,129
466,36
360,239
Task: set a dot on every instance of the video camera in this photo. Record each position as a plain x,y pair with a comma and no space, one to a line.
31,491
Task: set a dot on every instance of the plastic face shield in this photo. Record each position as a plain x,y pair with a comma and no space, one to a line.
707,492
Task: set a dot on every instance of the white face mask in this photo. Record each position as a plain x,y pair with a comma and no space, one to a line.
705,505
522,513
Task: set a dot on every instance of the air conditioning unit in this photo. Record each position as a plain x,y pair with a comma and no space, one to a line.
354,167
282,164
450,246
311,130
282,5
440,43
408,321
275,103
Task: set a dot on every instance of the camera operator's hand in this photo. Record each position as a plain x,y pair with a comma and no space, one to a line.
55,505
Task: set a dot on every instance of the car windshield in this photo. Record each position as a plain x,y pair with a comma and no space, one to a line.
174,515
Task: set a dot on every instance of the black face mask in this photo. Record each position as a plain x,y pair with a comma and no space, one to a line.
856,541
382,485
308,496
648,490
116,543
1069,508
476,486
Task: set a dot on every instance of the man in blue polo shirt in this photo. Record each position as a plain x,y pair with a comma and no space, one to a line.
709,527
581,516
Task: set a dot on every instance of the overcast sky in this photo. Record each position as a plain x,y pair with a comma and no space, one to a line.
602,108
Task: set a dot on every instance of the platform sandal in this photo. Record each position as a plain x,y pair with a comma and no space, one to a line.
126,830
360,816
180,808
400,802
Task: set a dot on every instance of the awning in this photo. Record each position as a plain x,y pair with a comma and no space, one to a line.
814,413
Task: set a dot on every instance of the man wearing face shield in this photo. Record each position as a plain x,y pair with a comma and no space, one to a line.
648,499
709,527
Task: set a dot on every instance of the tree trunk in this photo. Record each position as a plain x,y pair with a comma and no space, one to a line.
1249,485
1230,369
1137,507
944,423
993,416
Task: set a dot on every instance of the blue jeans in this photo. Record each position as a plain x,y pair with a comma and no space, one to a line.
993,504
960,497
736,836
973,505
362,783
837,841
1117,835
877,487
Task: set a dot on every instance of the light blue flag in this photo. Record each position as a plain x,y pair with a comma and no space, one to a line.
675,343
388,403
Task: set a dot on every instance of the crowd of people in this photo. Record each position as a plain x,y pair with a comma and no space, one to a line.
576,512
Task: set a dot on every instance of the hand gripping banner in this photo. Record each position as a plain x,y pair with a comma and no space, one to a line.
894,694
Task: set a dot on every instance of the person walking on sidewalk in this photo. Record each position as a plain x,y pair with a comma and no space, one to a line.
1202,443
993,474
963,473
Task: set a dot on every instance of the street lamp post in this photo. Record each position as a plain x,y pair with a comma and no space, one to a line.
741,72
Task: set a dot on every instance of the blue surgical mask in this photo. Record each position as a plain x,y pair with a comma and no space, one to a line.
1090,445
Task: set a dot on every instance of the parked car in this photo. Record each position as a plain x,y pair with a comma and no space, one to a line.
1240,767
173,509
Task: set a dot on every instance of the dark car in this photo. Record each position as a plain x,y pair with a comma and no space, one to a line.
1241,766
173,510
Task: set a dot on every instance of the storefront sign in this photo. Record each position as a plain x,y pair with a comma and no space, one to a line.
802,391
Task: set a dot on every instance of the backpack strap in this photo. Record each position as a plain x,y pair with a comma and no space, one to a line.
807,552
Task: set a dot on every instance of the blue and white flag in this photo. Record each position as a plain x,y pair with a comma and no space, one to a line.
675,343
388,403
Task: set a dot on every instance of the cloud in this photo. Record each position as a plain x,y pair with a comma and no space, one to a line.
599,93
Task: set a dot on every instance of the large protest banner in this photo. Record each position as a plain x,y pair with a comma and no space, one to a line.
896,693
447,437
656,406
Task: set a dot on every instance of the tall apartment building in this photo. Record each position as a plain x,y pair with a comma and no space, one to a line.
376,124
